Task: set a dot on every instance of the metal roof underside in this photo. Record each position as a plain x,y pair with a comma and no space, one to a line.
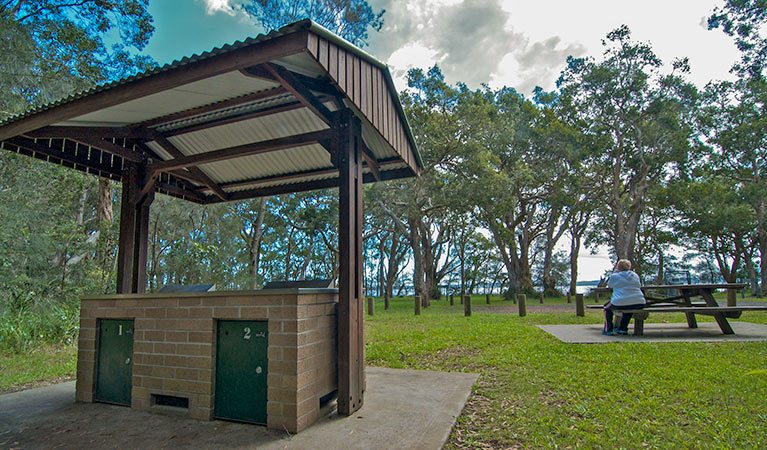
244,120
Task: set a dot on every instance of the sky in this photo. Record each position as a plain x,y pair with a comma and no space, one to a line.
516,43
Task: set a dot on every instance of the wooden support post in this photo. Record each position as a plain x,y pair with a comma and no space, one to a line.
580,310
732,297
596,297
371,306
386,302
351,358
417,301
451,299
467,305
134,233
487,298
522,305
541,298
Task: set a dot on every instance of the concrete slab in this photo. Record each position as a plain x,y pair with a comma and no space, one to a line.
410,409
660,332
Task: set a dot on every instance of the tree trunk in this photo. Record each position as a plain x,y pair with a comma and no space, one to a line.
255,244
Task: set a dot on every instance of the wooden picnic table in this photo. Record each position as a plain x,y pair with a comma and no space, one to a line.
682,302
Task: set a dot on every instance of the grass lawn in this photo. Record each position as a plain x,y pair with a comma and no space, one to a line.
43,366
536,392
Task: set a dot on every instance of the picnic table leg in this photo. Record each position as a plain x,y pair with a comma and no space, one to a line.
692,322
721,320
638,325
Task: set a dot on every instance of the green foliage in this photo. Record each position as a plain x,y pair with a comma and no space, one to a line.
349,19
743,20
52,48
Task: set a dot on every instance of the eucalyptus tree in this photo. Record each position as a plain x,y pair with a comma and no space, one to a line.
733,122
52,48
744,20
715,219
349,19
641,116
417,207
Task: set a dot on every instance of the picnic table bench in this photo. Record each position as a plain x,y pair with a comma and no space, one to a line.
682,303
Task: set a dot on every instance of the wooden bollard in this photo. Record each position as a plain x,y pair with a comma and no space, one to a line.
417,305
371,306
461,297
568,298
386,303
541,298
467,305
579,309
596,297
451,299
514,298
522,305
732,297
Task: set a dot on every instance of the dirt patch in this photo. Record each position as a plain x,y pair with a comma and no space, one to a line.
36,384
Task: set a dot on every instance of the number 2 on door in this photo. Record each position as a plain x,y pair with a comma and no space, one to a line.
247,333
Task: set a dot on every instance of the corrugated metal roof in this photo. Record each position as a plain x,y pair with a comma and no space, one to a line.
202,126
167,67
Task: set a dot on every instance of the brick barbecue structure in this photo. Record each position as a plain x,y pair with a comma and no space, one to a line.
174,348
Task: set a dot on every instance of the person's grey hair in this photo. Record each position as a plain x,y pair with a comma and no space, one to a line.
623,265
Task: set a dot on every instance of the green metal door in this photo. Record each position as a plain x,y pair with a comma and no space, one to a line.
115,361
241,371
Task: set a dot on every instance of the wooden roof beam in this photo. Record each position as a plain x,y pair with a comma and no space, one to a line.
240,150
168,146
111,147
294,175
238,118
371,160
241,100
31,145
301,92
313,185
74,132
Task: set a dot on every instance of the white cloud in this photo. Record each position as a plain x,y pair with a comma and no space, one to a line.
214,6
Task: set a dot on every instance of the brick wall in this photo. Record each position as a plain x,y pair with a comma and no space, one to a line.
174,347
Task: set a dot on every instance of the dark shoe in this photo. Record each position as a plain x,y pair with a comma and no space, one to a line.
623,332
608,333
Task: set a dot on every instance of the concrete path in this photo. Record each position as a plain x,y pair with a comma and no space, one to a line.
410,409
660,332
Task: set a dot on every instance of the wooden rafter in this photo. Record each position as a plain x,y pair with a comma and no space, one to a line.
168,146
70,132
301,92
111,147
371,160
283,189
294,175
236,118
240,151
255,96
31,145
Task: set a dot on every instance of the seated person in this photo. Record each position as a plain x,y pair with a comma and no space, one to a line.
626,295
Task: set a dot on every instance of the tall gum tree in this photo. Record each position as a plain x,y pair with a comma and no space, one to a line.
642,118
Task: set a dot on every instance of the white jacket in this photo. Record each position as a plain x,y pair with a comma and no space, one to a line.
626,289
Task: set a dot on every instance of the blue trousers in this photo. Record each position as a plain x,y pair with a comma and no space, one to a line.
625,319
